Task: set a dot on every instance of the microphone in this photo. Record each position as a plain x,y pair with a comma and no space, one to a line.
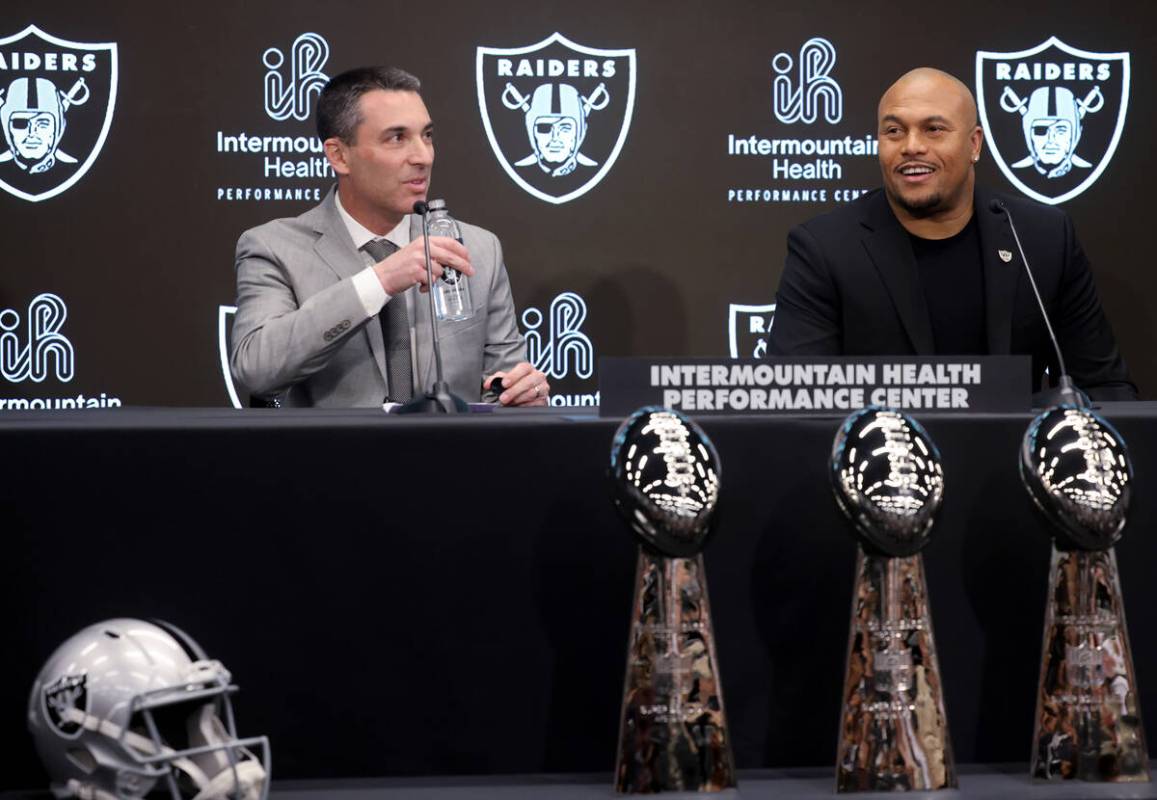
1065,391
438,399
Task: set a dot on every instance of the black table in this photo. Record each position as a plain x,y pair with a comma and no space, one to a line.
414,596
977,782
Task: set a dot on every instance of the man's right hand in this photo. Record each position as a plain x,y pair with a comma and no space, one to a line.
407,267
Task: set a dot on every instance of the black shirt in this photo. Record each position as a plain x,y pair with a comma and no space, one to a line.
952,276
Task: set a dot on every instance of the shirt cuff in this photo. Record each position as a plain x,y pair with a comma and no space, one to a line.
370,291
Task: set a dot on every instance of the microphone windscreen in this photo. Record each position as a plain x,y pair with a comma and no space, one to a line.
420,208
996,207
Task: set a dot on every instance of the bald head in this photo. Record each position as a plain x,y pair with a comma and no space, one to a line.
931,81
928,141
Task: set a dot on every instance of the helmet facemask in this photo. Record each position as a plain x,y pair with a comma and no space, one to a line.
180,740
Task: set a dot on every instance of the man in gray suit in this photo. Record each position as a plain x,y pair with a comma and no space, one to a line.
327,309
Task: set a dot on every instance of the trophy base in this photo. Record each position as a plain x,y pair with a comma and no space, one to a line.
673,735
893,729
1088,719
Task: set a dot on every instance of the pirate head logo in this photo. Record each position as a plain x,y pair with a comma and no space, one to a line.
1053,115
748,328
556,124
32,115
56,104
556,113
1052,126
65,700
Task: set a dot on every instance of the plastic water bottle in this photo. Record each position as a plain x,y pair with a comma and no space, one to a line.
451,291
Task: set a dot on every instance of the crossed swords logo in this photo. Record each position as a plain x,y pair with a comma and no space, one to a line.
556,117
1057,163
76,96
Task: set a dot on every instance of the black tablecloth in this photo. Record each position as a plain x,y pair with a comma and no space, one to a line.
433,596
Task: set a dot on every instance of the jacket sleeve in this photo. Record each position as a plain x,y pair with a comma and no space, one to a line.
1083,330
278,341
807,304
504,345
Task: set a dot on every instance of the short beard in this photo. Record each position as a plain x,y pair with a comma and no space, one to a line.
921,208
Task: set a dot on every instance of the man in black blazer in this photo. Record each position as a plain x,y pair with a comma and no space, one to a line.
926,266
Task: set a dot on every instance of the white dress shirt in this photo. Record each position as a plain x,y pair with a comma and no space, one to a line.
366,282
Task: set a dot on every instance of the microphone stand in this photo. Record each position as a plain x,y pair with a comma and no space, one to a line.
439,399
1065,392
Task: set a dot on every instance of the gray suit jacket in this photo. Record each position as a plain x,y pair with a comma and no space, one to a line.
301,331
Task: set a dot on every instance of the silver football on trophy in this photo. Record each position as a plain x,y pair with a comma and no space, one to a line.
887,479
664,481
1078,472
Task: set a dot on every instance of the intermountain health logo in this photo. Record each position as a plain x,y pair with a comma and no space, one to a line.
560,348
813,88
33,348
289,89
1052,115
557,345
557,113
810,162
56,105
282,161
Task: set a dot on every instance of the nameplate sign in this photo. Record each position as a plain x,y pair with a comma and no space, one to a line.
810,385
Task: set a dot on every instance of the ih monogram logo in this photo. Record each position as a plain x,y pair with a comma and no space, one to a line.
562,347
814,87
43,344
289,95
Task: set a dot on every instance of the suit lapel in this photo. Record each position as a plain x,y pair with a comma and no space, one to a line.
335,247
890,250
1000,276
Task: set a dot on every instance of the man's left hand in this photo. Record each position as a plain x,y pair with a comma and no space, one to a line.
523,386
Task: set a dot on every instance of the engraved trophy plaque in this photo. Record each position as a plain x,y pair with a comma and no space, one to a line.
887,479
1088,720
673,735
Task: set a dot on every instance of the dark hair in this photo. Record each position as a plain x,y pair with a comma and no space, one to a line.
338,113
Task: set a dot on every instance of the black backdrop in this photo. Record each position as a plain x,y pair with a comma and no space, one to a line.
139,250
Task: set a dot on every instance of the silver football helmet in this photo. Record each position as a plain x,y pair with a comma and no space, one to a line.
126,707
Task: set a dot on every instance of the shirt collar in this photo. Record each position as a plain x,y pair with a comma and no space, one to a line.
399,236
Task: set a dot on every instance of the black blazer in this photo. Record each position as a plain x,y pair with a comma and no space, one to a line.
851,287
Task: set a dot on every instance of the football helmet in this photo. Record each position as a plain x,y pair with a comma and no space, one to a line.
126,708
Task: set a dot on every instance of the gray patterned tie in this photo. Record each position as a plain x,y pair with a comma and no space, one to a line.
396,333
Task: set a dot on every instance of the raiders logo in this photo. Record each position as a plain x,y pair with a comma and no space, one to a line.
56,104
225,316
69,693
1052,115
556,113
748,328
